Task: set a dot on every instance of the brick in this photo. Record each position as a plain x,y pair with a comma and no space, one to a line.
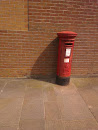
13,13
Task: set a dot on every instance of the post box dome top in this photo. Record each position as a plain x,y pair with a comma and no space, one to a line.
67,34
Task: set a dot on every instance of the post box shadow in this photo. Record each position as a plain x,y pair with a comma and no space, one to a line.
45,67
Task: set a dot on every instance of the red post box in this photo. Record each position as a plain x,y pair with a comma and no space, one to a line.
65,51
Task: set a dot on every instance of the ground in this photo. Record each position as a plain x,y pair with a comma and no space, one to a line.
33,104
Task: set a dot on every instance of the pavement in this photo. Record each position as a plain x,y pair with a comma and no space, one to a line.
33,104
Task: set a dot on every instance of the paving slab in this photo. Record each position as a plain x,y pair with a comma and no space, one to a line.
2,84
63,91
52,111
8,128
49,94
81,125
14,89
74,108
90,96
10,111
94,111
85,82
32,109
35,93
32,125
54,125
88,89
33,83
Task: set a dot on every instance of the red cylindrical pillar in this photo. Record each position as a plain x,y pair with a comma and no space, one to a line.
65,52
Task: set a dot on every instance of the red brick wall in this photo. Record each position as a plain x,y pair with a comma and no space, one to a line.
13,15
34,52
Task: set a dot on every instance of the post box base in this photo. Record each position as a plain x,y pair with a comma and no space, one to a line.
62,80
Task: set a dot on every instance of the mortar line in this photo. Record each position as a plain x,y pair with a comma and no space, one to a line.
43,104
60,112
28,13
4,87
22,108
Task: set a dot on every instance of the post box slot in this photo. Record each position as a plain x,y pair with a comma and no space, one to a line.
68,43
